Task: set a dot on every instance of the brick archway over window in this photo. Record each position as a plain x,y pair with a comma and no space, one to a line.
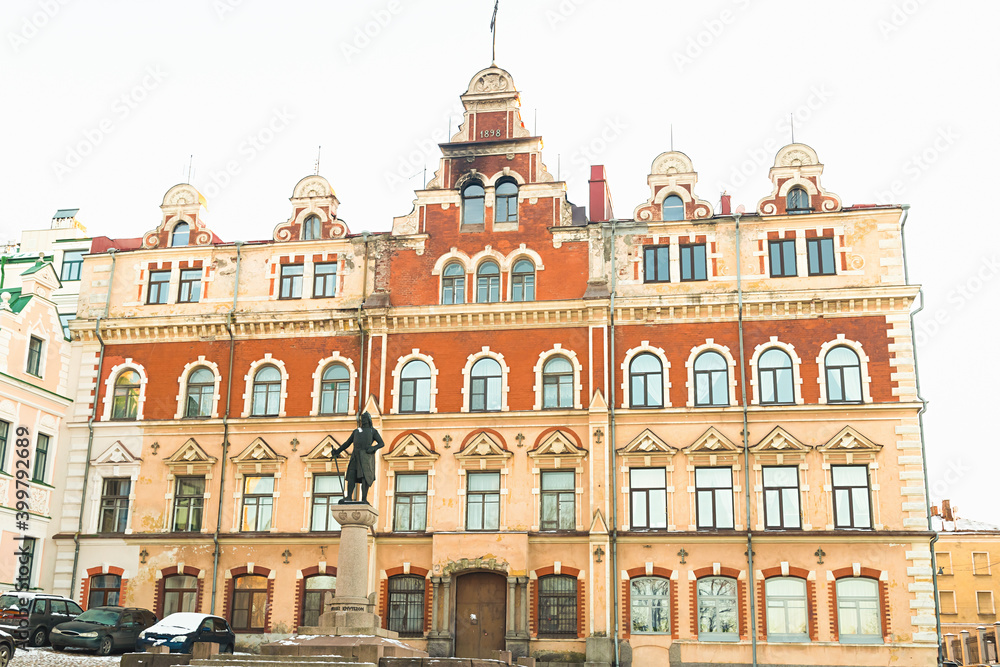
300,585
883,596
161,582
98,571
581,598
626,598
383,593
256,570
811,608
741,597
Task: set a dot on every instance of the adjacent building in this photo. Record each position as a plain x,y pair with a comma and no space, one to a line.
684,435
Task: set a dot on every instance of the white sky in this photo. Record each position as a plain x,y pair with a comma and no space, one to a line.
103,102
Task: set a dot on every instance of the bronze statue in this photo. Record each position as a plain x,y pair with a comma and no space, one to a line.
362,465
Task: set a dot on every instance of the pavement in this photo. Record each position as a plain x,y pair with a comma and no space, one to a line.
46,657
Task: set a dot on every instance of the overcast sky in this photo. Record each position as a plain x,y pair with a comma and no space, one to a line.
104,101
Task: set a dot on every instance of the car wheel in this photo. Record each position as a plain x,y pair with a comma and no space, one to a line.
4,655
40,637
105,647
228,648
58,648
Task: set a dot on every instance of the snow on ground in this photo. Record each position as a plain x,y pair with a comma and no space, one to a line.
46,657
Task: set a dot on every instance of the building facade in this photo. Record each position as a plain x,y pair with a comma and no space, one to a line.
687,435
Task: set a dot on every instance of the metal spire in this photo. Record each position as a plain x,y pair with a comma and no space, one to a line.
493,29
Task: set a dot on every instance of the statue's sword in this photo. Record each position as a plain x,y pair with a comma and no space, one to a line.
334,456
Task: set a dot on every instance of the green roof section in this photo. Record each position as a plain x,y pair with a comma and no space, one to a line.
66,213
36,268
17,301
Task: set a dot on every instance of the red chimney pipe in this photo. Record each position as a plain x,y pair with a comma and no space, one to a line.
600,195
726,208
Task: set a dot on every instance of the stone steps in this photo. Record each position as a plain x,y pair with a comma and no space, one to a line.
280,661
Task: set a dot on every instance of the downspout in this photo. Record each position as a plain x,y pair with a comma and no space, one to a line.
612,452
225,426
90,425
923,449
361,334
3,269
746,446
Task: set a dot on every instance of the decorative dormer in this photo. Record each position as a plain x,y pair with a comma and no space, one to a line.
492,108
797,188
40,280
314,213
671,183
182,223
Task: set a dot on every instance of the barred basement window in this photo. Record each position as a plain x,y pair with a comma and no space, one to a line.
406,605
557,606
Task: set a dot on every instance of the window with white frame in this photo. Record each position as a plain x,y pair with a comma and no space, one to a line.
859,615
266,392
650,605
711,380
200,396
415,387
125,401
190,286
328,490
488,282
258,503
558,500
786,609
522,278
843,376
335,386
776,378
486,385
714,498
851,496
482,501
410,502
718,610
781,497
646,378
557,383
648,498
453,284
324,280
114,504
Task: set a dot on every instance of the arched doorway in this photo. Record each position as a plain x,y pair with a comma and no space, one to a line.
480,614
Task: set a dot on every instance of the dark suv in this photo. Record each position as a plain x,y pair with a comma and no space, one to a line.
43,612
103,629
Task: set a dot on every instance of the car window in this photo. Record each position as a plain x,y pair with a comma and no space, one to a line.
41,606
74,608
150,617
59,607
127,617
220,625
206,626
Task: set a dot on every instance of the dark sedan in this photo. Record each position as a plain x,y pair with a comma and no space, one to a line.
180,631
102,629
6,648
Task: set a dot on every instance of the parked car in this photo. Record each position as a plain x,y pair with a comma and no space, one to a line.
179,632
103,629
6,648
43,612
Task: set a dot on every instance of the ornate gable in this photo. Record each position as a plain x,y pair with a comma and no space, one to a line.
672,173
181,203
189,459
320,458
410,452
647,443
797,165
781,447
116,454
713,448
258,457
312,196
483,449
849,446
557,446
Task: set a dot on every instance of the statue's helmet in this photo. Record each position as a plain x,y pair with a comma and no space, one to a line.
366,420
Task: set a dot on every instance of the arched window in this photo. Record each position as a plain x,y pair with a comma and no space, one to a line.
312,606
557,605
673,208
406,605
843,376
200,393
453,284
125,404
334,390
774,369
646,378
180,593
506,207
711,380
718,615
104,590
266,392
473,204
787,610
311,229
797,201
488,283
557,383
249,603
859,615
181,235
486,377
523,281
650,598
415,387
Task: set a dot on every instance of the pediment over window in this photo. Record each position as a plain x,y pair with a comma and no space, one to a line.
411,448
647,443
258,452
116,454
849,440
712,441
483,446
779,441
558,444
320,458
190,453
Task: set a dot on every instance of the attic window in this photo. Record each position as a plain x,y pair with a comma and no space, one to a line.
673,208
181,235
311,228
797,202
473,204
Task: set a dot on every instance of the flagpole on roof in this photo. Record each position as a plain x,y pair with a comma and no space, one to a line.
493,24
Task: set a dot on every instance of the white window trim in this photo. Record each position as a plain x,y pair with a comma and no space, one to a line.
821,362
396,388
796,365
238,499
628,465
992,609
488,253
626,385
467,378
989,568
109,387
35,332
334,358
557,351
268,360
452,256
953,609
182,382
101,471
710,344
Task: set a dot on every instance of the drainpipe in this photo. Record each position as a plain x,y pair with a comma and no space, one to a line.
3,269
746,445
923,449
613,453
90,427
225,426
361,334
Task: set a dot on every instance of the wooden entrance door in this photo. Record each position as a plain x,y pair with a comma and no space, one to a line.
480,614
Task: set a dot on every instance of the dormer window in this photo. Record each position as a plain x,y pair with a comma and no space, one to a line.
797,202
673,208
506,208
181,235
311,228
473,204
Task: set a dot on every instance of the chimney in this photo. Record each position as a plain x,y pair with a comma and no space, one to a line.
600,196
726,209
946,511
934,510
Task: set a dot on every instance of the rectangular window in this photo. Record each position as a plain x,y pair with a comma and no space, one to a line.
947,601
558,500
4,435
189,502
72,263
159,285
258,503
483,501
984,603
411,503
327,492
656,263
114,504
782,256
821,257
34,366
781,497
693,262
851,502
291,281
787,611
64,320
41,458
325,280
648,498
714,498
190,291
980,562
943,559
